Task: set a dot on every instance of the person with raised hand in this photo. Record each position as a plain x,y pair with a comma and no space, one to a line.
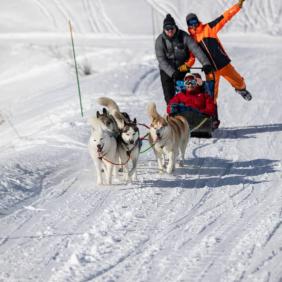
175,51
206,36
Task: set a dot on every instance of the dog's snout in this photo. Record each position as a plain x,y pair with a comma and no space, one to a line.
158,134
99,147
131,141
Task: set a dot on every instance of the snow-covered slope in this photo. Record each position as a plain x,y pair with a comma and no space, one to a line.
131,17
217,219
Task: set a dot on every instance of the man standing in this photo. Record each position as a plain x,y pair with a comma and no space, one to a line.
175,51
206,36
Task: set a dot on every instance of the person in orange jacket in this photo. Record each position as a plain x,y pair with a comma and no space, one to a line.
206,36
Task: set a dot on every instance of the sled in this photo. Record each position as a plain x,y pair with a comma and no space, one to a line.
201,126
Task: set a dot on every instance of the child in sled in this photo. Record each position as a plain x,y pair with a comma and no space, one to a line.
194,98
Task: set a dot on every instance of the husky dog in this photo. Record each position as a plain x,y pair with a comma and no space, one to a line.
103,147
128,142
129,146
168,135
108,121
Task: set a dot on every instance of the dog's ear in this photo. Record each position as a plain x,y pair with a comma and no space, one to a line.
166,118
119,118
98,114
126,117
152,111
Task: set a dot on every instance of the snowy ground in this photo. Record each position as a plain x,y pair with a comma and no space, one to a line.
217,219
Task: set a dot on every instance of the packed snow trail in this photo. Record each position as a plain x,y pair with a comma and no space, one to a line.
217,219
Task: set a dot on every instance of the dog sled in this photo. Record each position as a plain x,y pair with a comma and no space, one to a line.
201,125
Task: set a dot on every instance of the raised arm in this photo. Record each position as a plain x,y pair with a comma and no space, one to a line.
219,22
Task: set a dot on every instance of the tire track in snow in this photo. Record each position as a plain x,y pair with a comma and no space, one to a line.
163,7
61,247
45,11
145,81
67,14
98,19
90,16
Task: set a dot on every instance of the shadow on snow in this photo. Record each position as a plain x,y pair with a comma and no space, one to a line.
246,132
214,173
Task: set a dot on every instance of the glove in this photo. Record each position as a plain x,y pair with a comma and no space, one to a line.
184,68
240,3
177,75
174,109
207,69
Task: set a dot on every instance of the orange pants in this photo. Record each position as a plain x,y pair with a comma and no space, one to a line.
232,76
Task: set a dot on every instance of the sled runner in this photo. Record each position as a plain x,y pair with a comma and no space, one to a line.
201,125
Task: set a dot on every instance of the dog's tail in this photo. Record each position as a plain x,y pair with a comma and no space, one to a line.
109,103
152,111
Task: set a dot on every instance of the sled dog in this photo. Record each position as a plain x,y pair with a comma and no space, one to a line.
168,136
103,147
108,121
128,141
129,147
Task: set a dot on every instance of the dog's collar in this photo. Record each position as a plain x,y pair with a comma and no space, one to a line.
101,155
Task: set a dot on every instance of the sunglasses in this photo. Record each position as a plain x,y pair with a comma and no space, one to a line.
169,28
193,23
191,82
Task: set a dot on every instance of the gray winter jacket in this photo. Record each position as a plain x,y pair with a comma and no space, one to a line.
171,53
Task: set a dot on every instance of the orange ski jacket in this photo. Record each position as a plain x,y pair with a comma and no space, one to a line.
206,36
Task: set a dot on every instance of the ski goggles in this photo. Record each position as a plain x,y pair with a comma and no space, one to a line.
193,22
192,82
169,27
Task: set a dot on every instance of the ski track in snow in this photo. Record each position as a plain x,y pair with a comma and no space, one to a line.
45,11
146,223
217,219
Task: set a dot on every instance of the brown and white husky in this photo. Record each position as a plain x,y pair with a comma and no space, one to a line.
168,135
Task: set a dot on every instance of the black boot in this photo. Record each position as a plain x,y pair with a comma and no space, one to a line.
245,94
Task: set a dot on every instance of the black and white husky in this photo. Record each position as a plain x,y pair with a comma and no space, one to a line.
128,141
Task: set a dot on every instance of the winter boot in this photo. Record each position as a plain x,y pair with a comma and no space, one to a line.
215,124
245,94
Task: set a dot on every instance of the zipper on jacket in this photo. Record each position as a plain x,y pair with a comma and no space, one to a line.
209,54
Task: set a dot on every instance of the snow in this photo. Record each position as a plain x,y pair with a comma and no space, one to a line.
217,219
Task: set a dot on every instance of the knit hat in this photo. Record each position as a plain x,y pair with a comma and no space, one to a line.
169,21
191,16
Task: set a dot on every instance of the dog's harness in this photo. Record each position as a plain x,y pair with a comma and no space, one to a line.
138,142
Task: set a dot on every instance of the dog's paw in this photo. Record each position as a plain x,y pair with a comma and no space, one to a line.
181,164
134,177
170,170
